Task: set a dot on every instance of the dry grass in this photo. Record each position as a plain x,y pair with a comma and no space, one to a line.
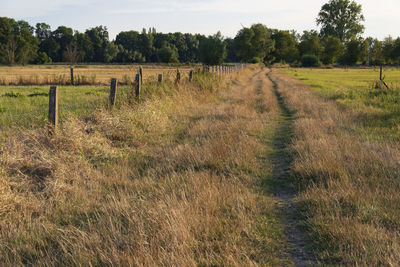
349,199
174,181
84,75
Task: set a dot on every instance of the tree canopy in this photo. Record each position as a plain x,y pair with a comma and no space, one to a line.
338,42
254,43
342,19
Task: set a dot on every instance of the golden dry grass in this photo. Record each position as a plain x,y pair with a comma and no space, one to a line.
84,74
349,199
174,181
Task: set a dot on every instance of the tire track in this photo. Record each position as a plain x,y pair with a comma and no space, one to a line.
285,187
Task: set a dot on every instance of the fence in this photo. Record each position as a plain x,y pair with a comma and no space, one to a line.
134,93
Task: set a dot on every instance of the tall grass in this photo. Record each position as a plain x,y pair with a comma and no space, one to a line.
172,180
349,200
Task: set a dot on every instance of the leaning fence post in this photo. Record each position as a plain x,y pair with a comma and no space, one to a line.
113,92
190,75
137,85
71,69
160,76
53,106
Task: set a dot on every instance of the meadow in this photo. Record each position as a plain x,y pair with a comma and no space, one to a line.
377,110
346,162
24,93
83,74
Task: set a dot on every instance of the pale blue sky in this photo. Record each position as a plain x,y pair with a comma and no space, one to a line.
194,16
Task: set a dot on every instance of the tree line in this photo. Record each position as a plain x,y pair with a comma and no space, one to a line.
339,41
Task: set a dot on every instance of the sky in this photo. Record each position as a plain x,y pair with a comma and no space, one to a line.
382,17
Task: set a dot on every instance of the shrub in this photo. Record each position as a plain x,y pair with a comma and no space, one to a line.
310,61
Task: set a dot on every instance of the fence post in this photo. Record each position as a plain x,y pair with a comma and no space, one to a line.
160,77
190,75
178,77
141,75
71,69
53,106
113,92
380,78
137,85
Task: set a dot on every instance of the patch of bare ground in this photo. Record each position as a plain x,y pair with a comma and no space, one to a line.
180,179
349,185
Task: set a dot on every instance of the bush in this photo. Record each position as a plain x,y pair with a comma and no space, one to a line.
310,61
256,60
42,58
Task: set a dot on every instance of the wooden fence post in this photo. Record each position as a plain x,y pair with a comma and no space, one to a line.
137,85
178,77
141,75
190,75
160,77
113,92
380,78
53,106
71,69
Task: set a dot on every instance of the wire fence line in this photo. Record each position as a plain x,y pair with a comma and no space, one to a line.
31,118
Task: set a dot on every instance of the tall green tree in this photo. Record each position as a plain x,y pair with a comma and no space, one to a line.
285,47
333,50
342,19
311,46
254,43
212,50
17,42
356,52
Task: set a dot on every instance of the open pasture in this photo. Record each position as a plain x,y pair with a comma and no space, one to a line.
377,110
83,74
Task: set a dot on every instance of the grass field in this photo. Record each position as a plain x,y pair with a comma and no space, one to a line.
346,161
179,179
281,167
378,111
27,105
83,74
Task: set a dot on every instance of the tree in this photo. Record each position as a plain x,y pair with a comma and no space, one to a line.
356,51
99,40
333,49
388,47
168,54
63,36
396,51
71,53
342,19
212,50
376,52
311,46
43,31
111,52
285,47
253,43
230,50
17,43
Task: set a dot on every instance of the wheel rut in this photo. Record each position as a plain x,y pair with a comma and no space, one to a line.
285,189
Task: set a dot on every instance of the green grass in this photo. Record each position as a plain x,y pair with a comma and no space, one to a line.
27,106
378,110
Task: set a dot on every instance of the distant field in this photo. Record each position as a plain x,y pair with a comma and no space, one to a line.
24,90
378,111
27,106
84,74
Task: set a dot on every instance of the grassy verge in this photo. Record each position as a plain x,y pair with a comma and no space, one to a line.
348,181
376,111
174,180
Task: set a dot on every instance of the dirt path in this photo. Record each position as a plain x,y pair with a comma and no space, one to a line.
285,188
